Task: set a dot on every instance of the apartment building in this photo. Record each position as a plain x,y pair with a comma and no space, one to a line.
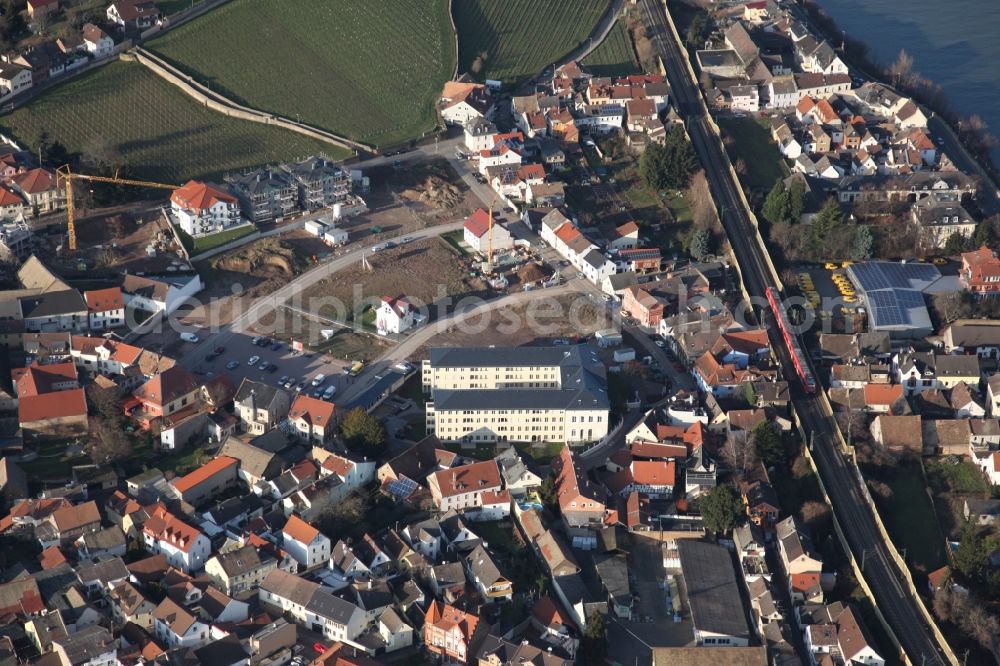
519,395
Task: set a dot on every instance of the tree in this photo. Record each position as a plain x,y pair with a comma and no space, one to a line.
363,432
721,508
796,200
986,232
594,646
548,492
739,455
863,243
105,403
825,227
972,552
768,445
671,165
697,30
955,244
777,205
701,243
902,70
108,442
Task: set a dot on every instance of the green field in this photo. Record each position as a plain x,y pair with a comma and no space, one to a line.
124,114
615,56
751,142
519,38
369,70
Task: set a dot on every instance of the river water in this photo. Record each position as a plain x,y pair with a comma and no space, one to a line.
956,44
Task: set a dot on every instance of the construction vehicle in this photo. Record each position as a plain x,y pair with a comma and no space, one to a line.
65,178
356,368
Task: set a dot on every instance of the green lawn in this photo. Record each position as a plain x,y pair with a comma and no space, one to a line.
910,518
368,70
456,239
124,114
542,453
206,243
751,142
615,56
514,40
965,478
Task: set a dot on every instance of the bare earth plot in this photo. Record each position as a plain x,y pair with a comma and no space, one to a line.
424,270
510,40
124,115
369,70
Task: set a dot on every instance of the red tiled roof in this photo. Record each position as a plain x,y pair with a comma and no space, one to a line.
882,394
567,233
313,411
35,181
480,476
61,404
195,195
167,386
654,472
104,300
446,617
547,612
38,379
204,473
73,517
339,465
803,582
8,197
300,530
478,223
165,526
51,557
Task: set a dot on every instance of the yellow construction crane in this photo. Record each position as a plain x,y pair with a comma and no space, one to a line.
65,178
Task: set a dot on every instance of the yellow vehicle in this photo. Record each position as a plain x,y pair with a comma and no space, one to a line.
830,265
846,264
940,261
850,299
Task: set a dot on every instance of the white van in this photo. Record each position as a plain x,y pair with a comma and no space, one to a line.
318,379
189,337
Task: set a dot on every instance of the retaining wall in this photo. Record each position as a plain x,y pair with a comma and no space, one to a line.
225,106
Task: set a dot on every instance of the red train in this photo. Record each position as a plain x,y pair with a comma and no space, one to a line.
791,341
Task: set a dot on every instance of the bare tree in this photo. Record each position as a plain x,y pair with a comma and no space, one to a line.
108,442
739,455
699,197
901,71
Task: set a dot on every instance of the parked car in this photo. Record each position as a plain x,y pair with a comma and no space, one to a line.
376,248
264,365
276,346
232,365
254,360
300,387
289,384
282,379
189,337
219,350
319,379
329,392
660,343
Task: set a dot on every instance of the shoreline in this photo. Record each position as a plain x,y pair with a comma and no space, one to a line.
929,95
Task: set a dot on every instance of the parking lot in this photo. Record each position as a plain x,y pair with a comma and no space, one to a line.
238,348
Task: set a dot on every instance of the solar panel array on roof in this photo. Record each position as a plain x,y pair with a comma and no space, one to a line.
402,488
892,292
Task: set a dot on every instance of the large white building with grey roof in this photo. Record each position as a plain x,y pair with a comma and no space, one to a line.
524,394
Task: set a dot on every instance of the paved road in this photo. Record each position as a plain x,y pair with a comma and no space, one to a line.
987,197
900,609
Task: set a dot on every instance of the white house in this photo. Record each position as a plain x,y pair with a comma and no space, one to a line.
745,98
14,79
395,315
463,101
156,295
105,308
499,155
184,546
480,134
201,209
176,627
306,544
336,618
97,42
477,233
